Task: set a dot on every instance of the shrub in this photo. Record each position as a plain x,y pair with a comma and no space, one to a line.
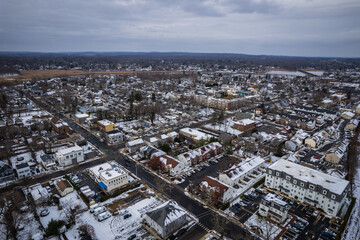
53,226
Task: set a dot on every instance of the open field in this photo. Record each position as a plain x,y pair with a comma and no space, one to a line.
28,75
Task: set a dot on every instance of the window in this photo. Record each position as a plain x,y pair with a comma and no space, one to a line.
294,181
79,153
277,174
333,196
312,187
287,177
302,184
324,192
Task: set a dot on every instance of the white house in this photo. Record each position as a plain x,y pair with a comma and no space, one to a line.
133,146
23,170
217,189
173,166
166,219
308,185
237,173
114,136
109,176
274,208
69,156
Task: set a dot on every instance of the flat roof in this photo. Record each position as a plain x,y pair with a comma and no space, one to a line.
69,150
334,184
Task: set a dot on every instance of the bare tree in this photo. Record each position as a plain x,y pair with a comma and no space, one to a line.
10,217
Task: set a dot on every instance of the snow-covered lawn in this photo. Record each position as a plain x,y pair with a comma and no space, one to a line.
265,228
67,202
31,227
116,226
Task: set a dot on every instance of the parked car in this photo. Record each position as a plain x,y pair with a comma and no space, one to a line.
132,237
93,207
103,216
99,210
127,216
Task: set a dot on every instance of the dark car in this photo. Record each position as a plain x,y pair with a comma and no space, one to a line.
127,216
181,232
132,237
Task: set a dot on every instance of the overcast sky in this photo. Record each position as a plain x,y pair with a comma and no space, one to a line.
277,27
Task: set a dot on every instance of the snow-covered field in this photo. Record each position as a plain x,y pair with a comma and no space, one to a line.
116,226
70,200
352,231
268,229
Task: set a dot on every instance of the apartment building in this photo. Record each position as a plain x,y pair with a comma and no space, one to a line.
308,185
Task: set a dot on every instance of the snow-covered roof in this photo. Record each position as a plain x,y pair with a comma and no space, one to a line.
166,213
242,168
135,142
65,151
81,115
270,197
197,135
107,170
335,185
245,122
105,122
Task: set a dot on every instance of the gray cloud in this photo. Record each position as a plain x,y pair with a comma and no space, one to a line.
287,27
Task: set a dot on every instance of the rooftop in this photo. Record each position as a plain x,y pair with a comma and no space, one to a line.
334,184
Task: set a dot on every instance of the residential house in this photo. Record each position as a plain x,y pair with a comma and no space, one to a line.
133,146
274,208
352,125
114,136
216,190
23,170
39,194
308,185
81,117
347,115
171,165
237,173
357,110
166,219
337,153
60,126
316,140
64,187
6,172
200,154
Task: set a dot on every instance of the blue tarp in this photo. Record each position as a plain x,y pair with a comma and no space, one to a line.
102,185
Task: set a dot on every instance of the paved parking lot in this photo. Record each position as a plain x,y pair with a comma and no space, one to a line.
306,226
212,170
86,181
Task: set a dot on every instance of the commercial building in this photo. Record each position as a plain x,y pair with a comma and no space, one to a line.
308,185
106,125
109,176
69,156
244,124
